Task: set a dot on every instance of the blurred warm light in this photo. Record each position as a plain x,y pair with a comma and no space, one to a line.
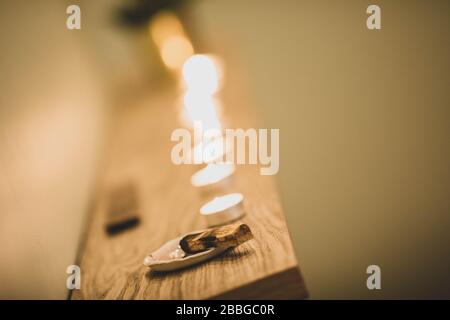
175,50
203,109
201,74
168,34
164,26
220,68
212,150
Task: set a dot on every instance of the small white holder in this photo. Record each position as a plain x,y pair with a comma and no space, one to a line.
214,178
223,209
171,257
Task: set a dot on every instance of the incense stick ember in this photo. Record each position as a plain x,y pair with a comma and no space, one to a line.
221,237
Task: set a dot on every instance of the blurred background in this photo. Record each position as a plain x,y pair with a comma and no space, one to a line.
363,118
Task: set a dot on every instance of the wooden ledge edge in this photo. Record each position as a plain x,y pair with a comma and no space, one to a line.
283,285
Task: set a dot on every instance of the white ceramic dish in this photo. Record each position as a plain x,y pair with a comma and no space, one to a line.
169,257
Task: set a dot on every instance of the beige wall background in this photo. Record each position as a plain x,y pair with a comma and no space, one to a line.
51,122
57,88
364,127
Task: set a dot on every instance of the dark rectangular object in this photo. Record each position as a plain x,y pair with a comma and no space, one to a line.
123,209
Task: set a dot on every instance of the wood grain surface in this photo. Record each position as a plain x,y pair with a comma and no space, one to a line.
139,153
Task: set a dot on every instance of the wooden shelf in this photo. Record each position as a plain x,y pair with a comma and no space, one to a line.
139,152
